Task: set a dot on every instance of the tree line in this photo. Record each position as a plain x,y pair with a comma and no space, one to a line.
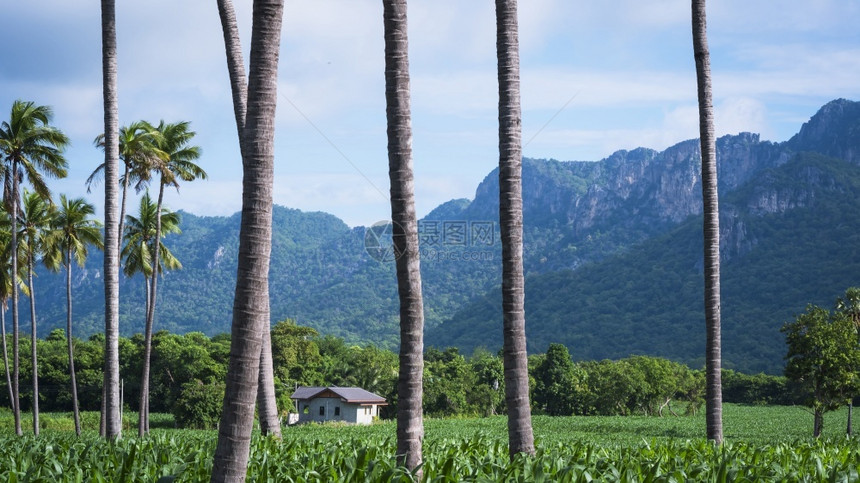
188,370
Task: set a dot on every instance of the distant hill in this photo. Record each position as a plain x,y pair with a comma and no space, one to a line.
613,256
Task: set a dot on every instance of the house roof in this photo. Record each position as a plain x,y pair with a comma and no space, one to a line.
348,394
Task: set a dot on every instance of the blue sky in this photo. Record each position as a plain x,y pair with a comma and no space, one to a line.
596,77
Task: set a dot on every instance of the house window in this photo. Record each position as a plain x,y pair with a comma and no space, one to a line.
306,410
367,410
337,410
322,410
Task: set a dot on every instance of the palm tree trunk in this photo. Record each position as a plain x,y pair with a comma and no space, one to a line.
267,406
75,410
520,435
102,422
713,357
818,423
16,368
235,66
410,418
34,342
143,404
6,355
122,213
113,425
143,421
251,302
266,400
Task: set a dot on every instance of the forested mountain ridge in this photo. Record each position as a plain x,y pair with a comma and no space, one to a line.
787,240
582,219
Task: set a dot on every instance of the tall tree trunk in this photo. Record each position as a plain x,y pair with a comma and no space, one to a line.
711,210
818,423
143,419
266,400
122,212
143,402
251,302
235,67
102,422
16,361
410,418
75,410
848,428
120,224
113,425
520,436
6,355
34,341
267,406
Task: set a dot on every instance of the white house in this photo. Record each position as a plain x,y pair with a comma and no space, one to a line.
348,404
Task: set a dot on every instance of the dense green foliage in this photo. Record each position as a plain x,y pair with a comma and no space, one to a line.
560,386
188,372
763,444
760,389
199,405
641,385
823,358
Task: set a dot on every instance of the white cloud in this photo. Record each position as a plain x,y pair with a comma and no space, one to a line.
742,114
550,88
678,124
466,93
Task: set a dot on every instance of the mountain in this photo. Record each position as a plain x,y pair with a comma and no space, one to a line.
786,241
612,256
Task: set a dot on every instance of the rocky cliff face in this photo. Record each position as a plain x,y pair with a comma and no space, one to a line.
642,192
834,131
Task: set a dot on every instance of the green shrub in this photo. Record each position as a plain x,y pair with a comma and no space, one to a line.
199,405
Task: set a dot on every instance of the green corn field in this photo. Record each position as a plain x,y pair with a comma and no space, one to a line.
763,444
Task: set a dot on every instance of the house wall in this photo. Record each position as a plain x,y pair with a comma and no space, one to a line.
350,413
362,414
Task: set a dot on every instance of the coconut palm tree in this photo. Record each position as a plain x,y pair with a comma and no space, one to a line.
139,240
410,420
35,219
176,165
138,151
713,357
31,148
73,231
110,424
139,255
520,436
251,301
267,407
